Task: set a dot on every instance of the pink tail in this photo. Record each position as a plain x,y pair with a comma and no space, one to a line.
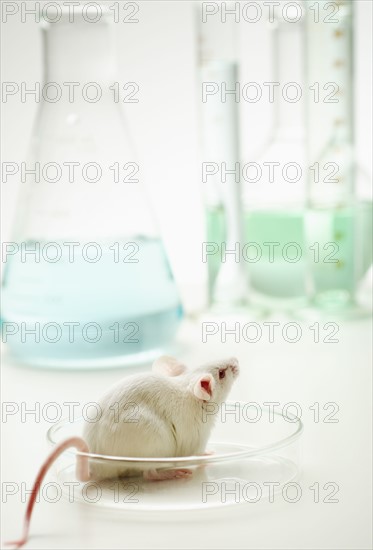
82,473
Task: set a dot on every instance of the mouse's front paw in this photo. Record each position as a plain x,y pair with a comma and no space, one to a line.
155,475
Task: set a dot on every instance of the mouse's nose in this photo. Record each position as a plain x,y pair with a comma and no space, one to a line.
233,363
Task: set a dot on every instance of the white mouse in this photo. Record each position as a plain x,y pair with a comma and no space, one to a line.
158,415
170,421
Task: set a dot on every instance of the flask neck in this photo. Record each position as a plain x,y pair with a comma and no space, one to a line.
288,113
78,52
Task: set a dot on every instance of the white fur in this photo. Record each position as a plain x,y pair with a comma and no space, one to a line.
155,415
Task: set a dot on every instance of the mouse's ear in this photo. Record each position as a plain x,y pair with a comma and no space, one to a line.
204,387
168,366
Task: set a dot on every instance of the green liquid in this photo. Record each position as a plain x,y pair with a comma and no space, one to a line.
275,276
281,280
337,268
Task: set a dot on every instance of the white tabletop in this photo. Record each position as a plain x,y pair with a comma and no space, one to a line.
305,372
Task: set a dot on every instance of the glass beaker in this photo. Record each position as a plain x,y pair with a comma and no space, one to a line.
273,184
87,280
337,220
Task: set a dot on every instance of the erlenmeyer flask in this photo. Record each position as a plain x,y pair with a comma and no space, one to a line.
274,188
87,281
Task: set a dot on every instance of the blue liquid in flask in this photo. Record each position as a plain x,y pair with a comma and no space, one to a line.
122,309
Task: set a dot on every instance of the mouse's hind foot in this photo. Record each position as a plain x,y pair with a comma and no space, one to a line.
161,475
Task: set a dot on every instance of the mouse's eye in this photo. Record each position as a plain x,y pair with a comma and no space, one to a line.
221,374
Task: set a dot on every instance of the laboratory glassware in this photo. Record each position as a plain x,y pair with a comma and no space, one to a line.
274,186
87,280
220,145
248,453
338,219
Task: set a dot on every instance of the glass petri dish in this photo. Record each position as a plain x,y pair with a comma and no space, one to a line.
255,453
